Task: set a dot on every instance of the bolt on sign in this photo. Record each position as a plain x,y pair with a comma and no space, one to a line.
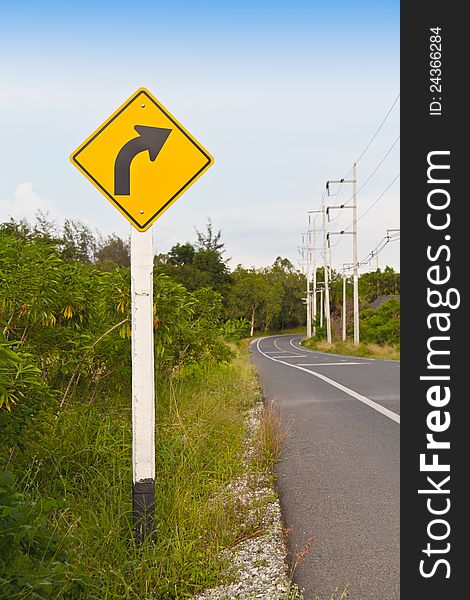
142,159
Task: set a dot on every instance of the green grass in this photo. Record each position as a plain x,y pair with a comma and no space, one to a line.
85,463
367,350
271,437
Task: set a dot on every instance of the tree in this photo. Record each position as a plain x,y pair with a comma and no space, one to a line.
16,229
273,304
78,242
181,254
199,265
113,252
45,229
382,325
379,283
209,240
248,295
270,298
160,259
209,261
291,311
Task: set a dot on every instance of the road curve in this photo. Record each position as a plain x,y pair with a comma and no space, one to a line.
338,479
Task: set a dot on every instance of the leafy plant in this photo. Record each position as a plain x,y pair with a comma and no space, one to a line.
24,396
382,325
235,329
33,561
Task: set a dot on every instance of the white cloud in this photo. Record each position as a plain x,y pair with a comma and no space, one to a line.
26,203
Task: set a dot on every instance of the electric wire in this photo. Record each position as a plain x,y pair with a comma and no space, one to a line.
394,237
375,134
362,186
338,193
374,202
379,128
379,198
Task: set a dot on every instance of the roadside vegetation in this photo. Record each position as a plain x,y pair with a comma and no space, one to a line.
65,421
379,334
65,410
366,350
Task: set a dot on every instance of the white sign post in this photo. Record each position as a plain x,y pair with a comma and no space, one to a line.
142,191
143,384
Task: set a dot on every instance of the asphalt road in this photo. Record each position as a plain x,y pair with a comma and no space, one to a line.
338,479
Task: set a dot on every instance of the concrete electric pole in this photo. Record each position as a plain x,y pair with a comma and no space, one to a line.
305,264
355,263
327,283
326,286
353,206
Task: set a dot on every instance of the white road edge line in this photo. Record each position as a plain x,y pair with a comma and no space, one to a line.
378,407
329,364
389,360
282,351
296,347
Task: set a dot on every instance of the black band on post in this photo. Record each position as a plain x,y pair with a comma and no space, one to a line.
143,509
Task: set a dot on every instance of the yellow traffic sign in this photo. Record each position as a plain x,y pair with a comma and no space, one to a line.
142,159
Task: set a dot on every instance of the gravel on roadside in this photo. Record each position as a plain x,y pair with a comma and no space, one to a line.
258,565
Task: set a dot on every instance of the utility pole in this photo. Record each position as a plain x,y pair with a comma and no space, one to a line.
321,307
306,270
353,206
309,307
314,295
355,263
313,262
310,325
327,283
346,267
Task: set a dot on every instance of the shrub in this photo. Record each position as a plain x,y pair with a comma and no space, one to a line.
33,562
25,399
381,326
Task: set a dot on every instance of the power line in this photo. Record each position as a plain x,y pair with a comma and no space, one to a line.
374,136
380,197
339,192
363,262
379,128
380,246
387,239
335,244
375,201
374,171
354,242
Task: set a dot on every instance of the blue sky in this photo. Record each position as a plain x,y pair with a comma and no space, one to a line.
284,95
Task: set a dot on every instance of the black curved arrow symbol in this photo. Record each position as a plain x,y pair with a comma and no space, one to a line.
150,139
